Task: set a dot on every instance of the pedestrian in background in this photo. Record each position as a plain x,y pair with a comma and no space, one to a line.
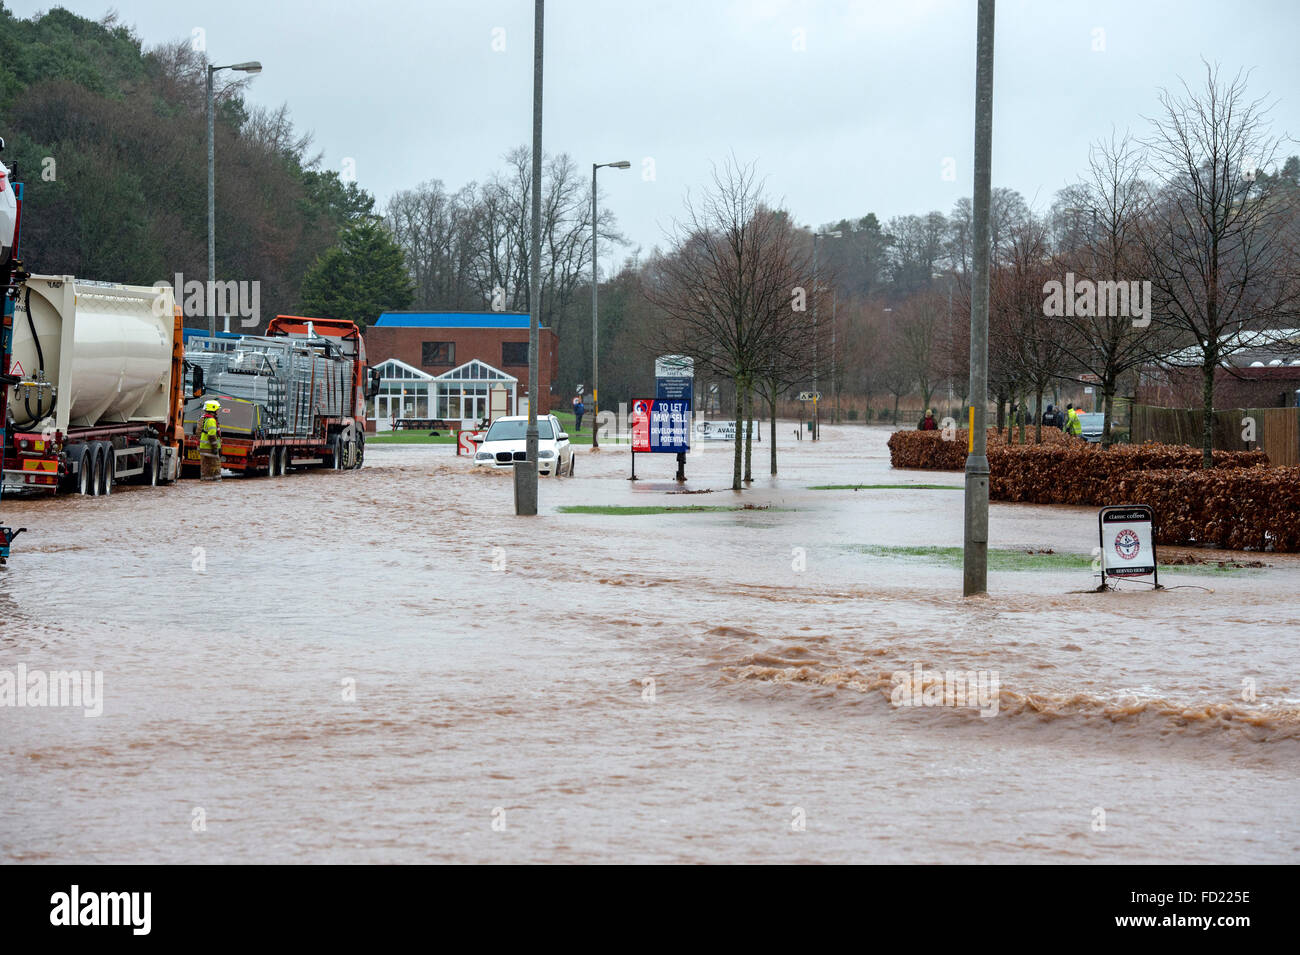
579,409
1073,426
928,422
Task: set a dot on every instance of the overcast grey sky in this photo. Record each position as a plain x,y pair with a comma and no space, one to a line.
859,120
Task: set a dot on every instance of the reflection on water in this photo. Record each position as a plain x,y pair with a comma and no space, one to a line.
374,666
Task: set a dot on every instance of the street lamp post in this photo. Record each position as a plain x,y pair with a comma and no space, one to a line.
595,333
817,426
526,470
250,67
975,540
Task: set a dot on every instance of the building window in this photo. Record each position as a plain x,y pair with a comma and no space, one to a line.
514,353
433,354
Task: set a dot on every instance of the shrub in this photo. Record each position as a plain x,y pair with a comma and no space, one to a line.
1235,508
928,451
1241,503
1078,473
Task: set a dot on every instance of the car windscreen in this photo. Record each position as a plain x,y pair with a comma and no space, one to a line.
1091,420
516,430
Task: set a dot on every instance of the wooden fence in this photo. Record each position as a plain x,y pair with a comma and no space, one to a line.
1277,430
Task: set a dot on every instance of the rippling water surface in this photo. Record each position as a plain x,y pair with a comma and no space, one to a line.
388,666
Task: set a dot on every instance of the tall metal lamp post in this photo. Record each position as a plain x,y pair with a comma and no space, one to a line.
251,66
526,470
595,328
975,539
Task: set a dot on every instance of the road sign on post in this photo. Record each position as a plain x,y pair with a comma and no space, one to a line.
674,394
1128,542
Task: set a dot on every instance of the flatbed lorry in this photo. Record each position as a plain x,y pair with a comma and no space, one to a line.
294,397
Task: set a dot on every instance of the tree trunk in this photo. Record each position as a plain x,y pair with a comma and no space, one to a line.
1207,414
739,449
1020,413
1038,415
1107,402
749,435
896,411
772,431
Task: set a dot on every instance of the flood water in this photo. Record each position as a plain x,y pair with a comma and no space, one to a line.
388,666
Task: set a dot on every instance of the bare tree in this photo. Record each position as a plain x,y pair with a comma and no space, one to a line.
920,325
1098,222
730,285
1219,242
895,374
1028,344
438,232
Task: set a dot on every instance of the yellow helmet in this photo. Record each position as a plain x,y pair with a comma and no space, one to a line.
212,406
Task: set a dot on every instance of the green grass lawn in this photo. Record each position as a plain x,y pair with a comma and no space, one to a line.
886,487
640,509
1018,560
575,437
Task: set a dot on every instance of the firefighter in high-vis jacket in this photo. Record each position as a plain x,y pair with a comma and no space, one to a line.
209,431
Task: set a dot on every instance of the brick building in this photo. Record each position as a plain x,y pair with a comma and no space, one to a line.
1267,376
443,365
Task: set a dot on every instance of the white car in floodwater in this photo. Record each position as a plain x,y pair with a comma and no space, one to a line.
505,443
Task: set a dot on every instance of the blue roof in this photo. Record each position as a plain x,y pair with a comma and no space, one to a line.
188,333
451,320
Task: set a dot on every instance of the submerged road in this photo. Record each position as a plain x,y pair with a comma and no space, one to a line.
388,666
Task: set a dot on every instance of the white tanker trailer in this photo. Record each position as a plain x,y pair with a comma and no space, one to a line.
98,386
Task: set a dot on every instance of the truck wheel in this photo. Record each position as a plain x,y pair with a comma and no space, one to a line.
152,475
338,453
94,463
86,477
361,453
281,461
107,479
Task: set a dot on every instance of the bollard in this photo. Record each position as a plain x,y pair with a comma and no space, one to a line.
525,488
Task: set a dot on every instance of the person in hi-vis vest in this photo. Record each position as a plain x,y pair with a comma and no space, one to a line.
1073,426
209,431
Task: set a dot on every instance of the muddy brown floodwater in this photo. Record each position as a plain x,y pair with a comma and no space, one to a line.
388,666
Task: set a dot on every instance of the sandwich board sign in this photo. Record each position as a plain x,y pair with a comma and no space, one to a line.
1128,542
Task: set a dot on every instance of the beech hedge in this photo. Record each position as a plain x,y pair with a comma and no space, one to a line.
1240,504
